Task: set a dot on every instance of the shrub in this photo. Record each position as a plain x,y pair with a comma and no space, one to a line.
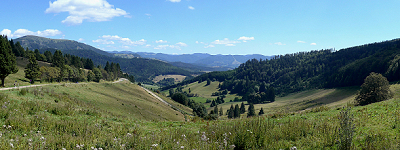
346,129
374,89
23,91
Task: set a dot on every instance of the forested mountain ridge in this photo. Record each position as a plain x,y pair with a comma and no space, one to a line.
142,69
35,42
315,69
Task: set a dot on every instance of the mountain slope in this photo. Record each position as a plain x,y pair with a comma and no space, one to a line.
35,42
309,70
143,69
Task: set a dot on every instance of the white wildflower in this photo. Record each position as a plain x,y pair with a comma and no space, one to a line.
182,147
12,145
42,138
232,146
154,145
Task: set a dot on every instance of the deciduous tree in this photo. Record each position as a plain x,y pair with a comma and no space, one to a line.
375,88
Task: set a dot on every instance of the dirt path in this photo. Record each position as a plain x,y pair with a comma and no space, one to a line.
160,99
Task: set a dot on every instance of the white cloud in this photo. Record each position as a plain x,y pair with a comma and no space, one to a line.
161,41
175,1
279,43
148,15
181,44
208,46
245,39
22,32
225,42
147,46
6,32
313,44
81,40
301,42
125,41
103,41
125,47
190,7
197,42
161,46
80,10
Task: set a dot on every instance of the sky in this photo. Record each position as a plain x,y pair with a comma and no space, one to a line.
267,27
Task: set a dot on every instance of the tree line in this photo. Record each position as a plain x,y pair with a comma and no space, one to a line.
64,67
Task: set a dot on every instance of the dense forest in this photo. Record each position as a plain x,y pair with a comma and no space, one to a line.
309,70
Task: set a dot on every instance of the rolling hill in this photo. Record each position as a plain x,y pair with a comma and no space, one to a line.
143,69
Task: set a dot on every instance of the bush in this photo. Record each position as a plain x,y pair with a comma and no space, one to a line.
23,91
375,88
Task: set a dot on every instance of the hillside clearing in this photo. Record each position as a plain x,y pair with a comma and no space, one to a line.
177,78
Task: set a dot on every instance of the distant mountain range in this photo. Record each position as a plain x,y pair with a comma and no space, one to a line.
211,62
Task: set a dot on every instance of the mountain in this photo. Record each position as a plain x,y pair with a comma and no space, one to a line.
309,70
143,69
35,42
208,61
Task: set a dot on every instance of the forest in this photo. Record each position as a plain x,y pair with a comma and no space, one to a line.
310,70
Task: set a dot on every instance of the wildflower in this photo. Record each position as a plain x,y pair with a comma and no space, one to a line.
154,145
42,138
182,147
30,140
12,145
204,137
12,140
100,148
25,135
183,135
64,148
128,134
78,146
232,146
293,148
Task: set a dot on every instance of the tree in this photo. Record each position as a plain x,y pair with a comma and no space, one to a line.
230,112
90,76
49,56
8,63
171,92
208,82
216,109
221,112
32,70
58,59
236,111
242,108
261,111
97,75
375,88
251,110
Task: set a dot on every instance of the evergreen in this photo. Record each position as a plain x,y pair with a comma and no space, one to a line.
58,59
242,108
216,109
261,111
8,63
230,112
97,75
252,111
32,70
236,111
221,112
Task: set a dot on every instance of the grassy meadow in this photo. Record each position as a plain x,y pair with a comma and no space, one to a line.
123,116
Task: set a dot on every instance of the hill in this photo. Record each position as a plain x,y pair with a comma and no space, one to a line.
35,42
143,69
309,70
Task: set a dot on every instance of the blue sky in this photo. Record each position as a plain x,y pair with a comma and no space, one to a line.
267,27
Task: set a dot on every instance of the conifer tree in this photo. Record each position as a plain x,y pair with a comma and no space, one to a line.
216,109
221,112
32,70
231,112
8,63
97,75
251,110
261,111
237,111
58,59
242,108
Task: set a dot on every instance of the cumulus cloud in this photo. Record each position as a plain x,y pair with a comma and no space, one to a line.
208,46
91,10
279,43
301,42
103,41
245,39
23,32
109,39
225,42
161,41
181,44
190,7
175,1
81,40
313,44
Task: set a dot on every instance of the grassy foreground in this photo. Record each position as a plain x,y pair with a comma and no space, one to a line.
59,117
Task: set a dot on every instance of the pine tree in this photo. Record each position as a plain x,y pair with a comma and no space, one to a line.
8,63
32,70
242,108
261,111
58,59
231,112
221,112
216,109
237,111
251,110
97,75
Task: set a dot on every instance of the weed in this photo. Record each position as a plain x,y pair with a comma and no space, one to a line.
23,91
346,129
